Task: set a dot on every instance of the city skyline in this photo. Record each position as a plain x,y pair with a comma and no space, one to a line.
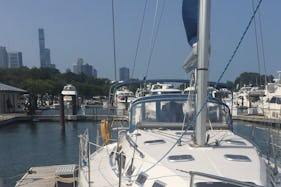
10,59
86,68
84,29
124,74
44,53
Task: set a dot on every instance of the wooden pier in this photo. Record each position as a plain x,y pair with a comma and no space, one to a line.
261,120
18,117
77,117
49,176
14,117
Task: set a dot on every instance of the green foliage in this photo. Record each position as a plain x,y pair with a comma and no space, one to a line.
230,85
51,81
252,79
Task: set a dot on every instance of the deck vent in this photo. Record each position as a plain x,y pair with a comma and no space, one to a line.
235,142
180,158
153,142
141,178
238,158
158,183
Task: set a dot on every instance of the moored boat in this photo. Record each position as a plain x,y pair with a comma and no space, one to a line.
168,144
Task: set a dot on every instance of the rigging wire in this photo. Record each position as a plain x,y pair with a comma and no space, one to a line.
205,103
262,49
239,43
113,33
139,37
257,43
154,34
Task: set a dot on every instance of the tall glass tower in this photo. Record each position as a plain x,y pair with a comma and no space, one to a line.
45,57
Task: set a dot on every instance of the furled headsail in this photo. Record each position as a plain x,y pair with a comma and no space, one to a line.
190,20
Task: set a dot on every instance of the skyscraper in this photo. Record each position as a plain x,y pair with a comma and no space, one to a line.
86,69
124,74
15,59
45,56
3,57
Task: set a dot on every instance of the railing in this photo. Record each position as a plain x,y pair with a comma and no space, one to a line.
223,179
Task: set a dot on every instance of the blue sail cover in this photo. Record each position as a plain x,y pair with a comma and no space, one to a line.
190,19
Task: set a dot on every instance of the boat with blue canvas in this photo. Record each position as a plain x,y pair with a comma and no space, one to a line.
178,139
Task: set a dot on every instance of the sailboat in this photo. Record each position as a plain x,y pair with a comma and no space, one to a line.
164,147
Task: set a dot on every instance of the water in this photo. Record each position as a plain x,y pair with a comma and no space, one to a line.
24,145
39,144
261,136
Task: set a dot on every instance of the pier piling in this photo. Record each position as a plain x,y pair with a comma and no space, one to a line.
74,105
62,117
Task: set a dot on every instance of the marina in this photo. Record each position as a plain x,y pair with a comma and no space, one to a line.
261,120
48,176
194,133
33,144
27,145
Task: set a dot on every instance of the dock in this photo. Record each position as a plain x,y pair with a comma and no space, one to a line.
259,119
49,176
13,117
10,118
78,117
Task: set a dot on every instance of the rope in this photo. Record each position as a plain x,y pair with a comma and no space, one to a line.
137,49
239,43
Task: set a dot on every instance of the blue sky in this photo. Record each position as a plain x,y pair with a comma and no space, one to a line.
83,29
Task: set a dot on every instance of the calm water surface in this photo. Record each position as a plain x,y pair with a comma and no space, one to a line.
38,144
24,145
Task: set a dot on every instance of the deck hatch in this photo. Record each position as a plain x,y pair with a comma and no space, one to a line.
153,142
141,178
180,158
158,183
238,158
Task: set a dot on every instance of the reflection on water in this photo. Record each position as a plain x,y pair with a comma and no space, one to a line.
85,111
267,139
47,143
38,144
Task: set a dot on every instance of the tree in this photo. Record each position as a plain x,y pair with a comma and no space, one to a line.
252,79
51,81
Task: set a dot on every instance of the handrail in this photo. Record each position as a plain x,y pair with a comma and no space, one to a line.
134,145
223,179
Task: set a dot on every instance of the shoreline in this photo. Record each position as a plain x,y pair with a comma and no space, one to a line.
6,119
260,120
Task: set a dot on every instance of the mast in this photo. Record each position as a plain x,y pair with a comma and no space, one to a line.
202,70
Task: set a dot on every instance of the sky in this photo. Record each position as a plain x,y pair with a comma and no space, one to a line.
83,29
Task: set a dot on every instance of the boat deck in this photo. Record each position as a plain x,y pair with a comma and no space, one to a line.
48,176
